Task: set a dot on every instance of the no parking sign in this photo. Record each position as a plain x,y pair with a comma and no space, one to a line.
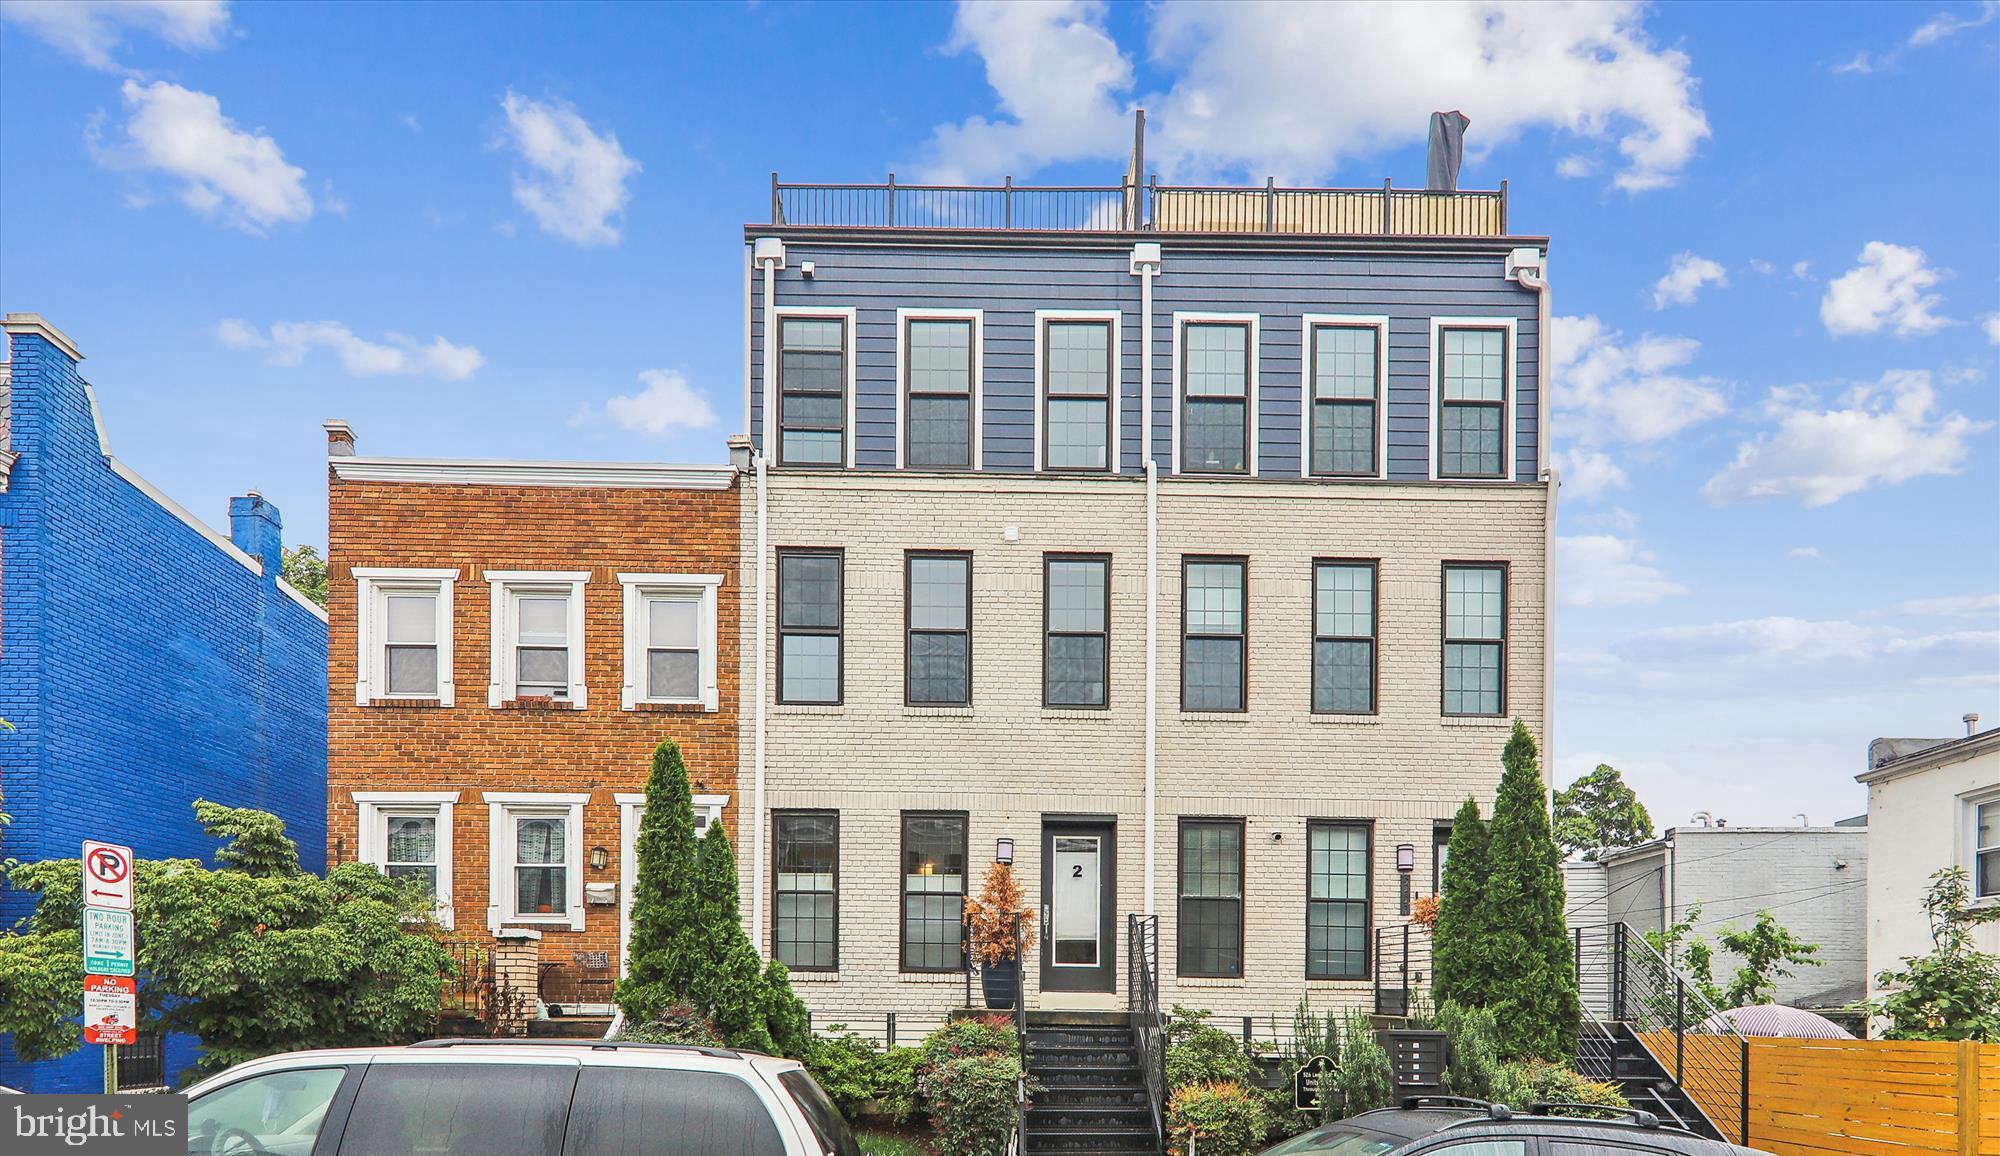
107,875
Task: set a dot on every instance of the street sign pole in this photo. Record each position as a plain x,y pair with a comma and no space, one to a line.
110,1068
110,956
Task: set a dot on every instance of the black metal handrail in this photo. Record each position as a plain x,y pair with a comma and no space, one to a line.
1401,958
1142,996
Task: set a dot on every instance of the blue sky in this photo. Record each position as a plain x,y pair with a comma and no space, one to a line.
514,231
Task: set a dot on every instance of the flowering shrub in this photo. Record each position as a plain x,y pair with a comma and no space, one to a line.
1219,1118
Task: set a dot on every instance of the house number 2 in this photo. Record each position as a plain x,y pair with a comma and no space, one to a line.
1076,871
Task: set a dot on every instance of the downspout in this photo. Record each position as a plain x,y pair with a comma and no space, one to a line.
768,252
1146,263
1528,268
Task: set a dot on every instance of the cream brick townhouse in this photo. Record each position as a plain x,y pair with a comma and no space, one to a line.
1190,547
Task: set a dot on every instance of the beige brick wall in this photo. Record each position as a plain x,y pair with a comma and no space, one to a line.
1008,761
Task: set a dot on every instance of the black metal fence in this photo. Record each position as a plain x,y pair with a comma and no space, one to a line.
1402,967
468,990
143,1063
1142,994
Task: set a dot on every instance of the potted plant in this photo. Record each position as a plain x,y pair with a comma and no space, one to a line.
1000,928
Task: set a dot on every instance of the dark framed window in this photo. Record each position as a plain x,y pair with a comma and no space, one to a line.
624,1111
1472,403
810,663
934,863
1076,630
1337,899
812,391
1215,397
1076,395
1214,634
938,372
1440,852
1475,638
1211,899
1346,406
1986,850
805,901
937,629
143,1062
1344,624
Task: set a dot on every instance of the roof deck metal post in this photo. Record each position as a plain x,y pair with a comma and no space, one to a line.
1503,208
1388,187
1270,204
892,200
1007,200
776,213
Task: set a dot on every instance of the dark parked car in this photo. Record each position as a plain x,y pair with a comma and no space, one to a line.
1454,1127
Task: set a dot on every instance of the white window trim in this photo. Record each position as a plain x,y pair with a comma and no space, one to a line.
1350,320
774,383
631,809
501,670
501,807
375,807
372,581
637,587
903,319
1435,405
1115,452
1253,356
1968,856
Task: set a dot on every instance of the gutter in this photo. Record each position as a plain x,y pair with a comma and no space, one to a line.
768,252
1528,269
1146,263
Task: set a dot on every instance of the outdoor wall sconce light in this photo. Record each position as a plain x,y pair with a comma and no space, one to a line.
1406,865
599,858
1003,852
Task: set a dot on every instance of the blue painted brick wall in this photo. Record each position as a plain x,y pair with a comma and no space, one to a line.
143,665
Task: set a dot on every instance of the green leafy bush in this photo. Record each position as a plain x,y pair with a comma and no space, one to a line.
678,1023
1525,1082
1366,1081
970,1036
1198,1052
1472,1052
861,1080
969,1082
1216,1118
1954,992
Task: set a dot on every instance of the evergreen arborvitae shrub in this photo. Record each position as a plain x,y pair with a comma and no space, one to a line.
667,948
730,986
1461,970
1533,995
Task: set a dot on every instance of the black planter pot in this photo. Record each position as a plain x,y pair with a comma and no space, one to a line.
1001,984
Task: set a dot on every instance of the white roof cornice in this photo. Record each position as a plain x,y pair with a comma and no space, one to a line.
496,472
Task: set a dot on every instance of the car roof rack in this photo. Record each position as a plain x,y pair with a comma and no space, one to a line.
1637,1116
594,1045
1493,1111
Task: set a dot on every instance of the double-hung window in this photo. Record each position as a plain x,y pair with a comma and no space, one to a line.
1343,422
1077,394
537,636
1343,638
933,890
940,373
1986,850
812,391
1211,898
1077,622
805,908
407,834
1475,639
670,639
809,625
536,842
1472,402
1216,384
937,644
1337,900
1214,634
403,634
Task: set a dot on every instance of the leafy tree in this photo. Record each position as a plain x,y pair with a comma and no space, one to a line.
1461,972
666,950
1599,813
1525,941
305,570
253,957
1366,1079
1690,954
1769,951
1954,992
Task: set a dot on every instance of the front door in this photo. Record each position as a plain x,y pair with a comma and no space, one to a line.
1079,905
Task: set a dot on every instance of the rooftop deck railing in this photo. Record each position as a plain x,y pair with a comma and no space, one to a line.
1152,207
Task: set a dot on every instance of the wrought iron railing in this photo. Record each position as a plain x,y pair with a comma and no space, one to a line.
1142,995
1131,207
1402,966
468,990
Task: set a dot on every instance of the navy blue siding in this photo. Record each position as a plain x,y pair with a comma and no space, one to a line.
1009,285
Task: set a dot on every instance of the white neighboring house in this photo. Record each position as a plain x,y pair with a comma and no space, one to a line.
1932,803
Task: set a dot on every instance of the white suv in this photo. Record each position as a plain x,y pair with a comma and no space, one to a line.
516,1098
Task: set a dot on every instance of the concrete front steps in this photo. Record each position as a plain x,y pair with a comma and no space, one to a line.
1094,1098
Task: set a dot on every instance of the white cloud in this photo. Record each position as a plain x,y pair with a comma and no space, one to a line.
1292,90
289,342
1882,433
1759,265
1684,278
1605,570
1798,643
1801,269
1586,473
578,180
1946,24
667,403
1628,392
1992,326
1985,606
1576,165
92,30
1858,64
234,175
1888,288
1806,553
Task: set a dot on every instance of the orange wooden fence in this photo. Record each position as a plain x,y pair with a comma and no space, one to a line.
1868,1098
